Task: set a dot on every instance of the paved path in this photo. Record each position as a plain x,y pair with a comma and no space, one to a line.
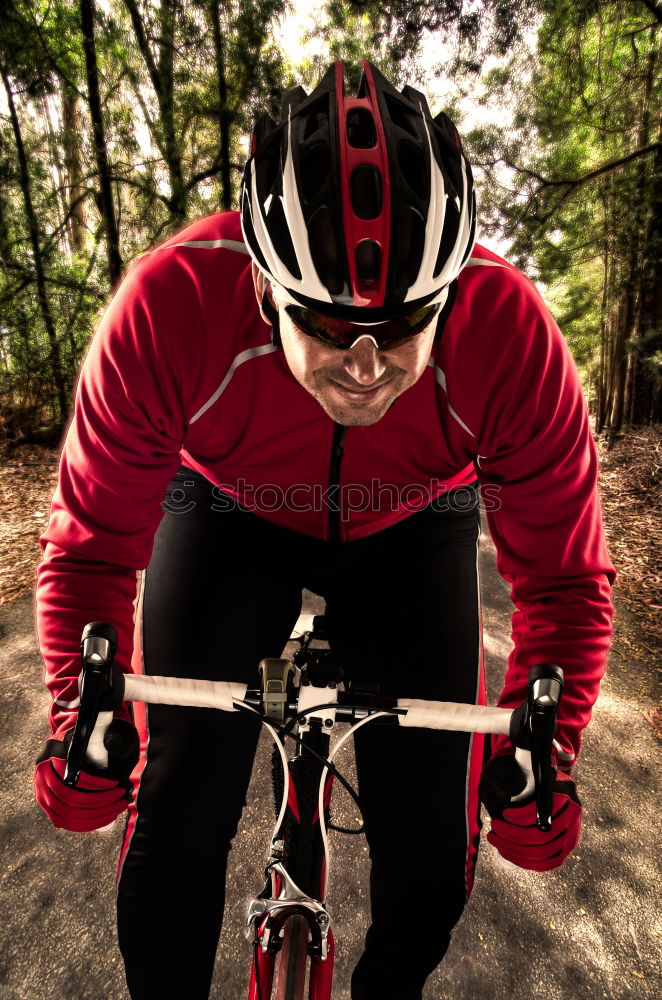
586,931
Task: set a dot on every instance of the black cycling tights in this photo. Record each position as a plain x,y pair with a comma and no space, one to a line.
223,590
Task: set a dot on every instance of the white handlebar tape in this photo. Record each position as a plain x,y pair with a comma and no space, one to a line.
164,691
467,719
183,691
458,718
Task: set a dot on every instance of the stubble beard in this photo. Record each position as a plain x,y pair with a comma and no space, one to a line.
353,414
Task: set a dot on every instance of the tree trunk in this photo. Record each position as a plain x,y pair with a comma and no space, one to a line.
57,165
223,109
166,96
628,311
6,243
608,334
19,376
107,206
630,377
649,197
623,328
162,77
62,404
73,164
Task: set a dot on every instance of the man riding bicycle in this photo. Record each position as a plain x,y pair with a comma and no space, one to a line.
310,393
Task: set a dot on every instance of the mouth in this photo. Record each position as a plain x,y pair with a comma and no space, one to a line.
358,395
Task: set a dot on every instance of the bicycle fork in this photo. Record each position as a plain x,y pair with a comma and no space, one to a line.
295,875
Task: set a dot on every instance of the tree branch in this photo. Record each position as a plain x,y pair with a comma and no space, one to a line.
11,293
203,174
55,66
655,7
78,306
143,45
653,147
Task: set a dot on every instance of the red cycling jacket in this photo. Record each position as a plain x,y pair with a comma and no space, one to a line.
183,369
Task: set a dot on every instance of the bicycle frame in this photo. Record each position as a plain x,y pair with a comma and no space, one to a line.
296,870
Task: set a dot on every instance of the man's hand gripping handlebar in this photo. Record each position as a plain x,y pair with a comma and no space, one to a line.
82,778
535,812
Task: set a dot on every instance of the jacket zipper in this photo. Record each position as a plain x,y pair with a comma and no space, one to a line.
333,493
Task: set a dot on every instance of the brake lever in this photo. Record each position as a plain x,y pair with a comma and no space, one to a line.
544,692
98,647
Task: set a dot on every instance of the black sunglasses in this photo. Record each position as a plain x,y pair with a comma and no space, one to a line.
341,334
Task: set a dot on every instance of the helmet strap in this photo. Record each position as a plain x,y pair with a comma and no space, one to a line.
271,313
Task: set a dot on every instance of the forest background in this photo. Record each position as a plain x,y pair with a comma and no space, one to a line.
120,120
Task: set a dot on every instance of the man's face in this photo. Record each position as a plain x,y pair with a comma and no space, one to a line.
354,386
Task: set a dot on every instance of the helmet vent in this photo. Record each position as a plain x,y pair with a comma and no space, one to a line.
315,165
368,261
317,117
366,189
247,223
448,236
412,166
280,236
411,243
268,171
361,129
323,249
400,116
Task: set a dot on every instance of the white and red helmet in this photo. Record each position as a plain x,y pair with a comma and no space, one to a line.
362,208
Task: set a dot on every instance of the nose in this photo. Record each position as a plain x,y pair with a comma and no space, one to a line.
364,362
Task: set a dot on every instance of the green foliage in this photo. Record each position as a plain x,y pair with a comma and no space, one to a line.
477,30
583,104
183,80
573,182
176,113
353,36
576,307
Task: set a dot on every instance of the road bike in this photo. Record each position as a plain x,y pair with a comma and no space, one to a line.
303,699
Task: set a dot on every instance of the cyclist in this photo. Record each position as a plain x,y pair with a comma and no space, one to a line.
309,393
